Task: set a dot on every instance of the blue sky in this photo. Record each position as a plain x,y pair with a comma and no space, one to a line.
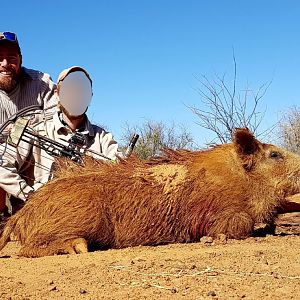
143,56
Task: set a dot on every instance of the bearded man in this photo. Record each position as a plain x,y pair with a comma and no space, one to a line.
21,87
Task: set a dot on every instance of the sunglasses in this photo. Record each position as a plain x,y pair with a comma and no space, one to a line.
10,36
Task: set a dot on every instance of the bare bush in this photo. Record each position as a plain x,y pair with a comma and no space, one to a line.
226,108
153,136
289,130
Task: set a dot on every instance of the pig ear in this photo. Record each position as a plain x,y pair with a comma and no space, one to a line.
246,146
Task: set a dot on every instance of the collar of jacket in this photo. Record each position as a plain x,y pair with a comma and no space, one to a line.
24,75
60,127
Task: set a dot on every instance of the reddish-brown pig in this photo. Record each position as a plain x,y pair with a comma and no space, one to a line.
175,199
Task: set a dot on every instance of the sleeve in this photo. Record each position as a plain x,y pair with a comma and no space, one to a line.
10,180
48,96
109,147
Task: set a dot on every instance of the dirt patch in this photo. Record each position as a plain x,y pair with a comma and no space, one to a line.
170,176
255,268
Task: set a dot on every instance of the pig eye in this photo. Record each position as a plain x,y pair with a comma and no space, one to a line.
276,155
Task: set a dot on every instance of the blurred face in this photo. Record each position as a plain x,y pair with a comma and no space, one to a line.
10,66
75,93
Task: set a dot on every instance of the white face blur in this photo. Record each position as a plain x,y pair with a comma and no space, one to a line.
75,93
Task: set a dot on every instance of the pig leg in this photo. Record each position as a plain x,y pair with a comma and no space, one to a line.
70,246
74,246
232,223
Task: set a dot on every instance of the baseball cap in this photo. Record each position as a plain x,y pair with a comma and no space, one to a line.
63,74
9,37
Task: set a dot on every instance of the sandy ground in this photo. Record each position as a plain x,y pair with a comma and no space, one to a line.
255,268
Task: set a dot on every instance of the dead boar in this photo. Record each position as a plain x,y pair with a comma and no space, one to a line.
175,199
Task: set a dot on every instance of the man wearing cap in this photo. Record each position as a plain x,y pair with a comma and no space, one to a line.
27,167
20,87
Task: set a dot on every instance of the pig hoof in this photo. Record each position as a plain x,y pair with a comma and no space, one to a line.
76,246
